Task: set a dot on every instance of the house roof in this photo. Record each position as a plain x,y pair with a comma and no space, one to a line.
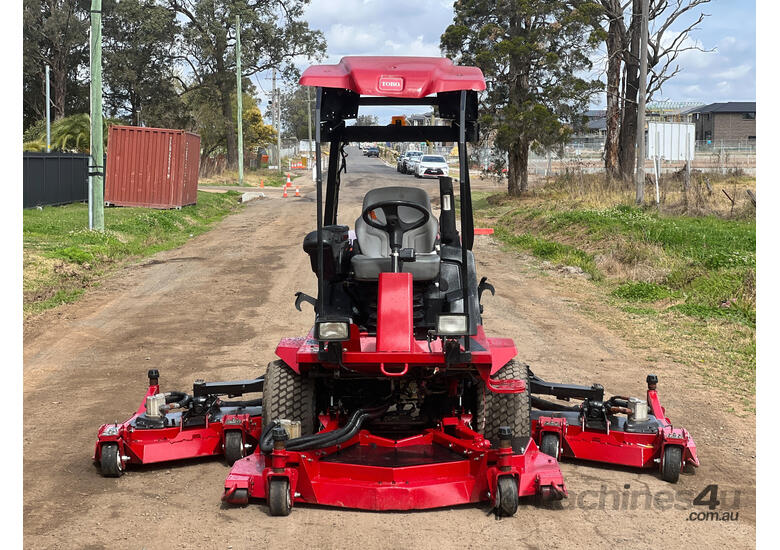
728,107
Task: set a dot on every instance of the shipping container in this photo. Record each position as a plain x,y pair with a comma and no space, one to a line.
152,167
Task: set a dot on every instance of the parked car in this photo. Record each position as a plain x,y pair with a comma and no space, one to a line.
431,166
406,167
399,163
411,164
372,152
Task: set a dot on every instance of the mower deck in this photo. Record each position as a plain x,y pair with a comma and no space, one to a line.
652,442
181,435
444,466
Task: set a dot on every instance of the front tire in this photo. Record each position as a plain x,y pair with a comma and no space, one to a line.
111,461
234,446
551,445
504,409
288,395
672,464
507,498
279,503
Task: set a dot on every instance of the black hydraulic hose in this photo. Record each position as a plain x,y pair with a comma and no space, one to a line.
325,439
176,396
341,435
326,435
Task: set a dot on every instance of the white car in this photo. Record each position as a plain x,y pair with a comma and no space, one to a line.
431,166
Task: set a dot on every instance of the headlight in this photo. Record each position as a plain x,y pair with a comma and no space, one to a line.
333,331
452,324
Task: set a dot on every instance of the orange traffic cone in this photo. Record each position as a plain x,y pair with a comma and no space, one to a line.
262,184
284,195
289,183
297,191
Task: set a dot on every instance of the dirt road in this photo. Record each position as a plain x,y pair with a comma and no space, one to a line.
215,309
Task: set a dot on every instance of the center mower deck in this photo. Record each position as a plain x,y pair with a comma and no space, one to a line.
445,466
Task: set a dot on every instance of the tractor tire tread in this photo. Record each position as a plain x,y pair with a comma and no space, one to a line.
505,409
288,395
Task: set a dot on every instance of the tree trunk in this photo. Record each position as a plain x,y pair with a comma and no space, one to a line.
614,63
518,167
628,129
59,84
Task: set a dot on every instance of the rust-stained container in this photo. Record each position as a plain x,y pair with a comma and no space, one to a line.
152,167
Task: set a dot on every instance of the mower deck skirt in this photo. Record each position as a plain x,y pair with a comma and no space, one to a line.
430,470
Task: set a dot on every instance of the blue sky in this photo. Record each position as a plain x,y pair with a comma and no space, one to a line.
404,27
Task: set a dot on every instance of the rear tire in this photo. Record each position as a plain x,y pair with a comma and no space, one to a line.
279,503
111,461
672,464
289,396
504,409
551,445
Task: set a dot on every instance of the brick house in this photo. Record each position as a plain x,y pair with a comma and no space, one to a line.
732,121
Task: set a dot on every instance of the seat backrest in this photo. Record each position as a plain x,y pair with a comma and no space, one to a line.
375,243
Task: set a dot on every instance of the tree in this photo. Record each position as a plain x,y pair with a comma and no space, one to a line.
272,35
293,105
366,120
209,125
70,134
55,34
138,53
623,27
530,53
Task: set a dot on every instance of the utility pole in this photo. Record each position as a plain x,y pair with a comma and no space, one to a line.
278,122
48,113
96,118
640,124
308,119
240,108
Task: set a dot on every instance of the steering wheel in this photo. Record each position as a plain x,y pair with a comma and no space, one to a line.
394,225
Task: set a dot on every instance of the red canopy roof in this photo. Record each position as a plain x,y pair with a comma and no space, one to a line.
395,76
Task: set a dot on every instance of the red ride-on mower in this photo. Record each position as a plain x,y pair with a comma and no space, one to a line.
619,430
396,399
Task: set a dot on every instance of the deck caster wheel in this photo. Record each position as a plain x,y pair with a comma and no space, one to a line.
279,503
506,498
551,445
234,446
111,461
672,464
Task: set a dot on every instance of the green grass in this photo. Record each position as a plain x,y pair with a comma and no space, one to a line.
687,281
706,263
62,257
551,251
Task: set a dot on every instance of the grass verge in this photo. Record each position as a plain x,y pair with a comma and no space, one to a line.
688,280
62,257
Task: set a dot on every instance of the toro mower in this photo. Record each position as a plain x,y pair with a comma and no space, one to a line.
396,399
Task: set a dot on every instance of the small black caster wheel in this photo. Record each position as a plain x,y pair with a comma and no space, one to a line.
240,497
279,503
234,446
551,445
672,464
507,497
111,461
